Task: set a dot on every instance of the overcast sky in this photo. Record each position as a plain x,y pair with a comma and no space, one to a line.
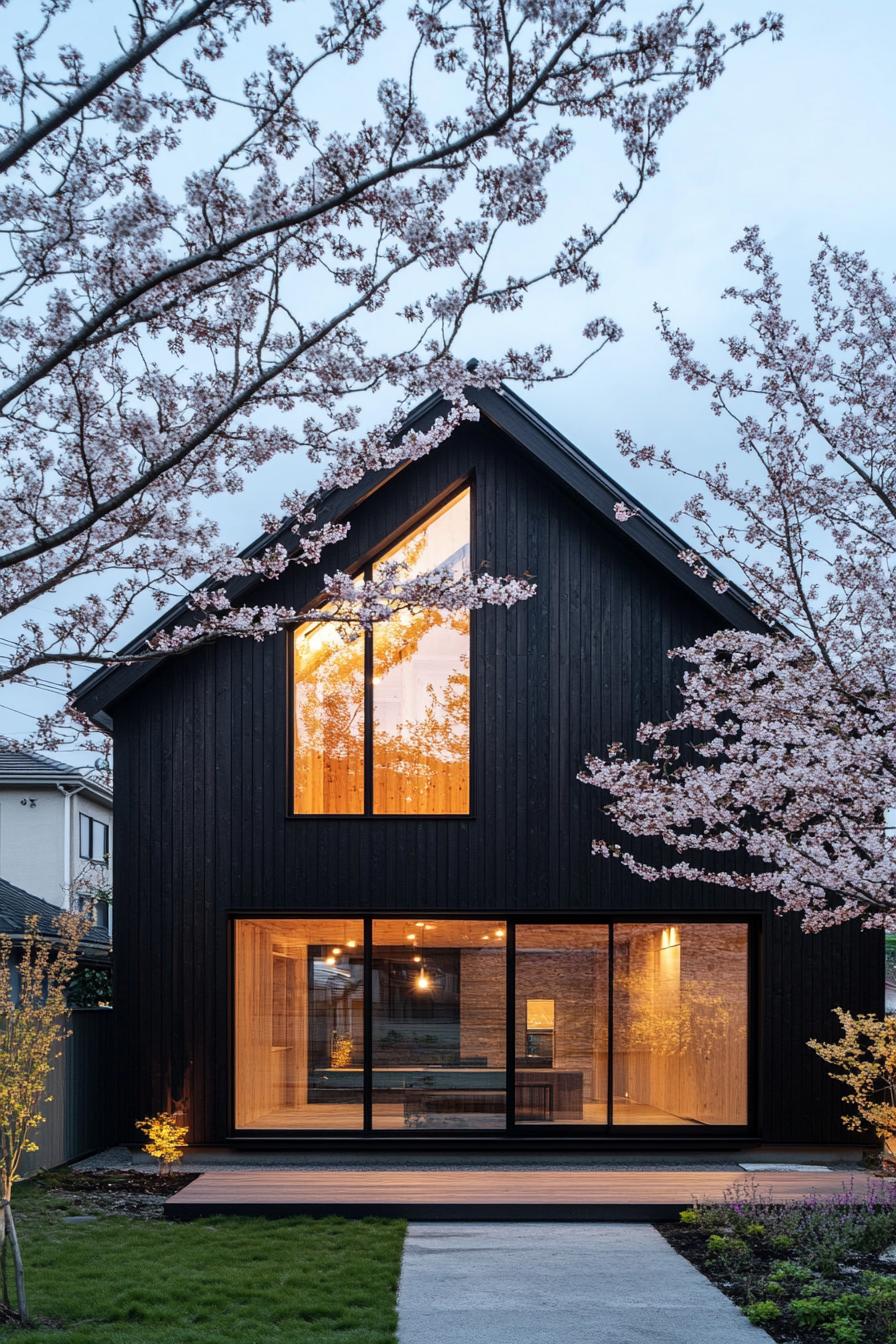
798,137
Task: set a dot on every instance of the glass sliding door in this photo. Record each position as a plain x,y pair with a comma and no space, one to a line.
439,1024
298,1023
614,1025
680,1013
562,1002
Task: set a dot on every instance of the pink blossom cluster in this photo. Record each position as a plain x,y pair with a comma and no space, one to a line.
783,757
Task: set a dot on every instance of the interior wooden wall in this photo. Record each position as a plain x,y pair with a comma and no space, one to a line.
269,1076
680,1021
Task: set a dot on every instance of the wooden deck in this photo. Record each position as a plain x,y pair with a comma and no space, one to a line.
488,1195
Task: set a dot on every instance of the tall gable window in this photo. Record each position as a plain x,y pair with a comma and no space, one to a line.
382,723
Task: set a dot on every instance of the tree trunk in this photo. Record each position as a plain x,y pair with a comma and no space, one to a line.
4,1282
9,1229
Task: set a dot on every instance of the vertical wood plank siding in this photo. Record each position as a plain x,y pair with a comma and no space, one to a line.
201,799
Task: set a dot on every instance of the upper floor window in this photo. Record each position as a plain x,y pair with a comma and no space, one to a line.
94,839
382,722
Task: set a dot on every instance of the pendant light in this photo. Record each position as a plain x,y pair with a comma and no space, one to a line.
422,981
346,942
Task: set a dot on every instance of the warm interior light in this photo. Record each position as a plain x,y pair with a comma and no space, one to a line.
411,937
499,933
422,981
417,960
669,937
351,942
337,951
330,961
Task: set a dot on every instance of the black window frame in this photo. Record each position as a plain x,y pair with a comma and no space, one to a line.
93,824
526,1134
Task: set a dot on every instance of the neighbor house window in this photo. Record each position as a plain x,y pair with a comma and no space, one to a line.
94,839
382,720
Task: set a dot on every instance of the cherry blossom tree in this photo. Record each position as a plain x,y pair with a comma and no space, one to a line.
784,748
163,339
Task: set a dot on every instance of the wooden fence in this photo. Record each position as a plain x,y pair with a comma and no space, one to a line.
81,1116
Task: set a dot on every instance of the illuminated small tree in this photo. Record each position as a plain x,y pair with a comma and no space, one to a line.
166,1140
865,1060
33,1024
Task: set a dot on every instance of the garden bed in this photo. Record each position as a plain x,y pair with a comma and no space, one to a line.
812,1272
139,1194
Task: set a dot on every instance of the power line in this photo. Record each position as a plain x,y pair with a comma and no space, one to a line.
12,709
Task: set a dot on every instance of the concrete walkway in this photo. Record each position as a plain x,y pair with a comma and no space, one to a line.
558,1283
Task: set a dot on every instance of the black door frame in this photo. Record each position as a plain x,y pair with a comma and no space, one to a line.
512,1135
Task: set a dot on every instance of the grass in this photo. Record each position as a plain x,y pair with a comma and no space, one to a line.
220,1280
810,1272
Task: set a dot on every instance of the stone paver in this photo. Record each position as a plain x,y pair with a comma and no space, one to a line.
558,1283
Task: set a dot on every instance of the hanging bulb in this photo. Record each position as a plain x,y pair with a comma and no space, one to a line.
499,933
330,960
422,981
417,960
351,942
411,937
337,951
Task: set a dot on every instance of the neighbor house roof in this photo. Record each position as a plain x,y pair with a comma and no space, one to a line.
29,768
16,905
538,440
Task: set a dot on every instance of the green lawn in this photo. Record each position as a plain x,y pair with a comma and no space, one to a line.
217,1280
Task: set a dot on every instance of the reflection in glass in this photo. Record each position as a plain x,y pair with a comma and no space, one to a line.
561,1023
439,1024
680,1024
299,1024
421,680
329,720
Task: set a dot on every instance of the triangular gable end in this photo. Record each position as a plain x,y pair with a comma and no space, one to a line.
570,467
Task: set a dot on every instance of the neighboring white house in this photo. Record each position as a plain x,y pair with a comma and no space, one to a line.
55,828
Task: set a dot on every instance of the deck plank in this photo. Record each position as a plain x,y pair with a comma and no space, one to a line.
479,1194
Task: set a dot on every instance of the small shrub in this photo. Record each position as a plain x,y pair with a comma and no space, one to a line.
166,1140
827,1312
791,1271
781,1242
762,1313
690,1217
843,1331
731,1250
755,1230
864,1060
811,1312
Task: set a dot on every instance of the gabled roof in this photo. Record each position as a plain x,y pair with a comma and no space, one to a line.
30,768
16,905
532,434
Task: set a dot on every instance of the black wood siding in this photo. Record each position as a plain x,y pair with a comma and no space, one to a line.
201,797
